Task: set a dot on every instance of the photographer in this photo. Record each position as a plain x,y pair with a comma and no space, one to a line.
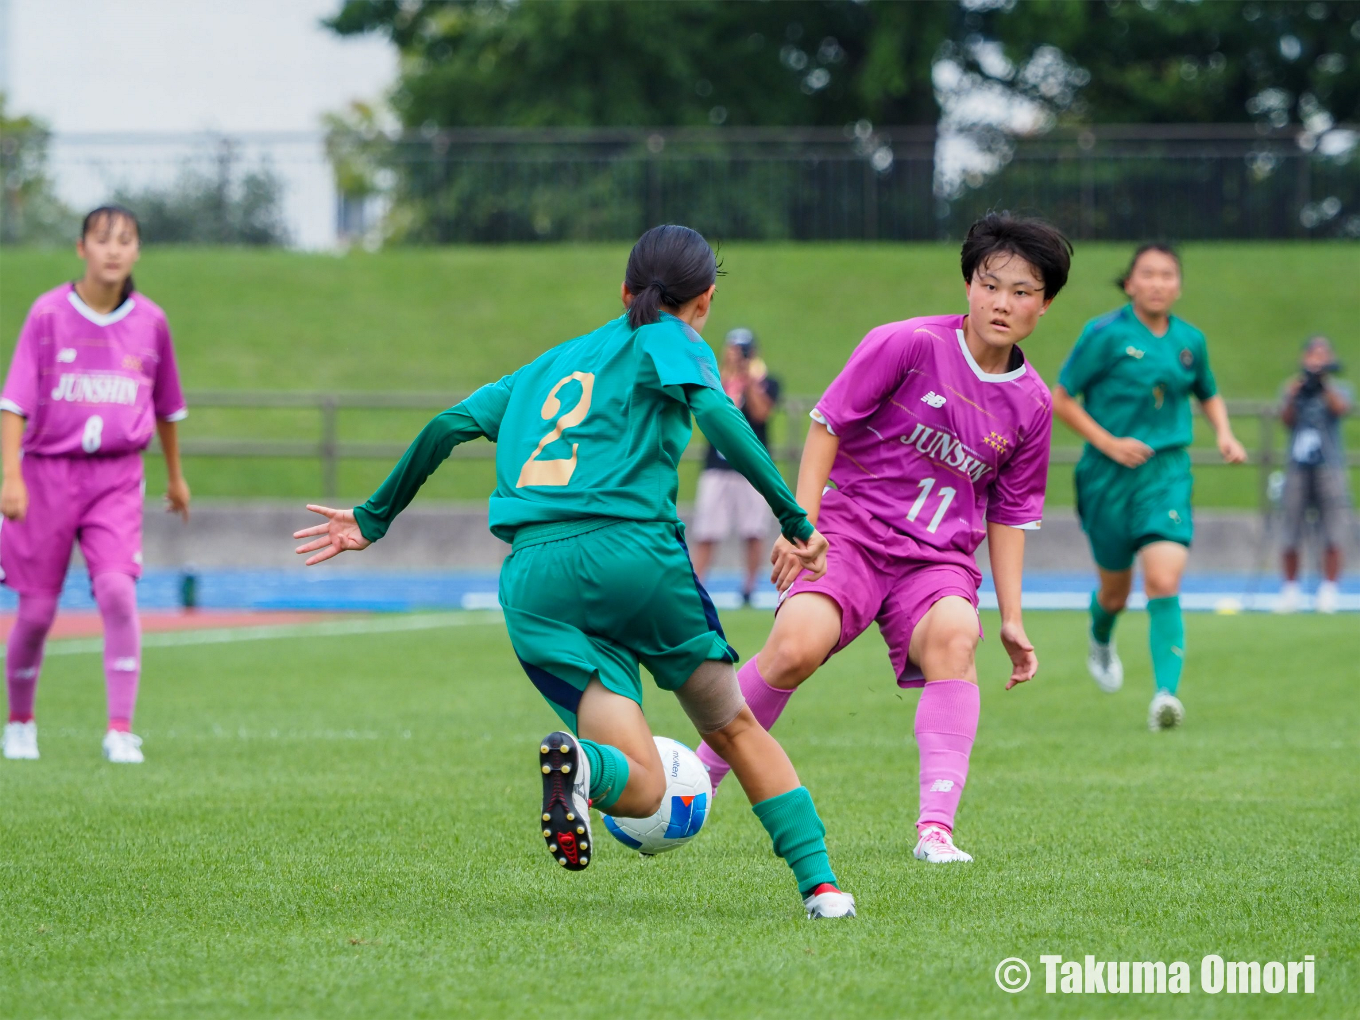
1314,404
726,503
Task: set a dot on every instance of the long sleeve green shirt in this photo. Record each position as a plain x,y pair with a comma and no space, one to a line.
717,417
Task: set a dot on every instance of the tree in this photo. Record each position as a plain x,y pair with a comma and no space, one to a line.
833,62
1175,61
661,63
222,205
30,211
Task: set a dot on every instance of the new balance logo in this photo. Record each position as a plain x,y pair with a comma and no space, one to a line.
66,355
125,664
942,786
1133,352
933,399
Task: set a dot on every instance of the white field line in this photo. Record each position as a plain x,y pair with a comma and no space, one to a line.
335,628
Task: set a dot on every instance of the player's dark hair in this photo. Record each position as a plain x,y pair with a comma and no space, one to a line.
110,214
1162,246
1039,243
669,266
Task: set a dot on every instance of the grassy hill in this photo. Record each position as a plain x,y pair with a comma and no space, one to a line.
450,319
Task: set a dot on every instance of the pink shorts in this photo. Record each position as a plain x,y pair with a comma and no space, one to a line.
94,500
875,573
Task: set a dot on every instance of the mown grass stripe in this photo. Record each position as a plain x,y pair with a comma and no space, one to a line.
336,628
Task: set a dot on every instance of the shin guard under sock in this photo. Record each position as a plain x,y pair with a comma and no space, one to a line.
608,773
116,595
798,837
24,653
1102,621
946,725
1166,637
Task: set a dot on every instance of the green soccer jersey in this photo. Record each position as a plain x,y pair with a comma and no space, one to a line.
1136,384
593,428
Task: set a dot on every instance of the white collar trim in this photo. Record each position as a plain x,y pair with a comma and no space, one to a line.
1014,373
117,315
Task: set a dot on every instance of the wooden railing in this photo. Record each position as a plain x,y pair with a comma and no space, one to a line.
789,428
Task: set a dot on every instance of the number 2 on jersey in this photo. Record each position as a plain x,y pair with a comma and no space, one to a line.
946,497
558,472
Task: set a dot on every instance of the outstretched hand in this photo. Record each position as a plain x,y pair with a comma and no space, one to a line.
1024,663
790,559
339,534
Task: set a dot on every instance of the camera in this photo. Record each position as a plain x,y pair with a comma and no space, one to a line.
1315,379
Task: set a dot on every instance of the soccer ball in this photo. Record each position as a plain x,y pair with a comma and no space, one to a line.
683,807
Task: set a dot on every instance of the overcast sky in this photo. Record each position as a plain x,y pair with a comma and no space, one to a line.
175,66
184,65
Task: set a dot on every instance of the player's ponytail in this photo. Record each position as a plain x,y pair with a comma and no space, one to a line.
111,213
668,267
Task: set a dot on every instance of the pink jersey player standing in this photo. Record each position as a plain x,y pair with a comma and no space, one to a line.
935,436
93,374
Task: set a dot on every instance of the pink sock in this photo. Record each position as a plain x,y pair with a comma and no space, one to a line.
24,652
766,703
117,598
946,724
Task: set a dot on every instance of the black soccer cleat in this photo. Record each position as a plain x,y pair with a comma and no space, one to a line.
565,819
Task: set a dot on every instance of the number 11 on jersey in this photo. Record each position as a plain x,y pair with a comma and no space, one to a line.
926,485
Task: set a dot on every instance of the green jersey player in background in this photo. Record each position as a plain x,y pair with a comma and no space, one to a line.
1135,370
588,439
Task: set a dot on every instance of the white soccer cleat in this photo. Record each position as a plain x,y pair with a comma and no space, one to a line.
123,748
1289,599
1104,665
937,847
21,740
1166,712
828,901
1325,601
565,818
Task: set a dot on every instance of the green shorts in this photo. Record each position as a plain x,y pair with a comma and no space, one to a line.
596,598
1123,509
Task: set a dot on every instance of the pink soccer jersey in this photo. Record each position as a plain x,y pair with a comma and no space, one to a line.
92,384
933,446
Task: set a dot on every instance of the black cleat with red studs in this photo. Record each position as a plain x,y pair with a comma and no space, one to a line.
567,836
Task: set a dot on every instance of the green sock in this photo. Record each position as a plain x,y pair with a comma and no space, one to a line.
608,773
1166,635
1102,621
798,837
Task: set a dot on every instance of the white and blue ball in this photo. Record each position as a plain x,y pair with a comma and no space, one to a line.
683,808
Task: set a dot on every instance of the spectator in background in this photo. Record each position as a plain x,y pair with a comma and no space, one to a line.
726,503
1314,404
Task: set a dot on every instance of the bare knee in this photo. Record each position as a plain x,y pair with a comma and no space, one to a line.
1113,595
786,663
725,740
1161,584
1113,603
957,649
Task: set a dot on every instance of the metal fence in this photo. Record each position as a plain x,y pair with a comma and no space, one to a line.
789,429
864,183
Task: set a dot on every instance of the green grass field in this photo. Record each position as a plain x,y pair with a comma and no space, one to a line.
346,827
450,319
